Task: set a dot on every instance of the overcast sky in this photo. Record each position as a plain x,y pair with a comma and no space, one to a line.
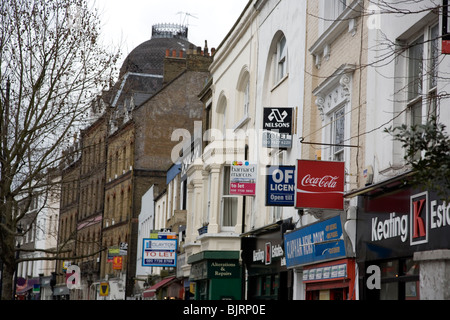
128,23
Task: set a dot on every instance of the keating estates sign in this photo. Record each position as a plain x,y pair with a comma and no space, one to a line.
320,184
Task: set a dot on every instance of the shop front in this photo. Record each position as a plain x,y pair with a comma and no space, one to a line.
330,280
403,242
215,275
321,253
263,255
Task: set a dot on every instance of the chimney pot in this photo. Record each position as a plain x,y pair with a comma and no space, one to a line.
174,53
167,52
181,53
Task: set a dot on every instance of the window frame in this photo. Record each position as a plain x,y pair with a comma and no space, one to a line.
422,104
225,195
281,59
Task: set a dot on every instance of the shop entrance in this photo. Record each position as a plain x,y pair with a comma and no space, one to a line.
328,294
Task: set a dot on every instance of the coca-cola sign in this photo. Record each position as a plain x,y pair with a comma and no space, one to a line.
320,184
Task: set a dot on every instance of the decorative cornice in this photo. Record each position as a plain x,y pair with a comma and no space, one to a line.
334,89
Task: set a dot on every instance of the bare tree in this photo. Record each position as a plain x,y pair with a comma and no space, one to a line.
52,65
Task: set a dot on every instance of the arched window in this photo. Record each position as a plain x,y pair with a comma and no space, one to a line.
276,71
243,95
281,59
222,114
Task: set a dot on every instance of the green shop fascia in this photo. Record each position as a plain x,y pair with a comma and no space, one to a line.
216,274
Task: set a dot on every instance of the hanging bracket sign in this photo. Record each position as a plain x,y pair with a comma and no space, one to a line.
277,127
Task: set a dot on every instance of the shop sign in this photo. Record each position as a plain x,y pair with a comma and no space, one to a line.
277,127
317,242
114,251
280,186
326,273
159,253
223,269
243,178
123,248
320,184
426,216
270,251
215,269
117,263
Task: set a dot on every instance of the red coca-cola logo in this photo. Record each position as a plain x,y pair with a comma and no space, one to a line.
323,182
320,184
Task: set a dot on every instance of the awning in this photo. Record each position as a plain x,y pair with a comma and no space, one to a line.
383,186
27,286
150,292
62,290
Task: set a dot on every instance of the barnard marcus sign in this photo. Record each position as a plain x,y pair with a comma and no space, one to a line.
402,223
277,127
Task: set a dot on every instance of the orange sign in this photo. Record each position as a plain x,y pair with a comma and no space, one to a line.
117,262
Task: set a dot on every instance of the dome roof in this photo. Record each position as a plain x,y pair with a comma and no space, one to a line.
148,57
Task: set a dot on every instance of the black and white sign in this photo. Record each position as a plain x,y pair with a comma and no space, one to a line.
277,127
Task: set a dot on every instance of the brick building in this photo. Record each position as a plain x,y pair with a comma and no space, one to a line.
140,139
68,217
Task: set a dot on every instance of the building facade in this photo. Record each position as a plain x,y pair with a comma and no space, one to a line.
408,239
269,160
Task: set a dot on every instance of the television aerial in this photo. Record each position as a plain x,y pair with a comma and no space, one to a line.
185,18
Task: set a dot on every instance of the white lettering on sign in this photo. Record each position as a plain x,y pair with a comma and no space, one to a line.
440,214
258,255
276,251
73,281
278,176
294,248
395,226
323,182
416,222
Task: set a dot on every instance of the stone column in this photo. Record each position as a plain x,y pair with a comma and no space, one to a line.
214,216
434,274
190,231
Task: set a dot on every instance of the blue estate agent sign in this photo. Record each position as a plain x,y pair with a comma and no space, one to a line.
280,186
317,242
159,253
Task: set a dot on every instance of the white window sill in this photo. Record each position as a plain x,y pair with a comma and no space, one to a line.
245,119
280,82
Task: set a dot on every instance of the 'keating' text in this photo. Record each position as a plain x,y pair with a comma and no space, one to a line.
395,226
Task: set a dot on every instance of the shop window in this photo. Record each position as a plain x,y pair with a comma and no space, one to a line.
399,281
264,287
